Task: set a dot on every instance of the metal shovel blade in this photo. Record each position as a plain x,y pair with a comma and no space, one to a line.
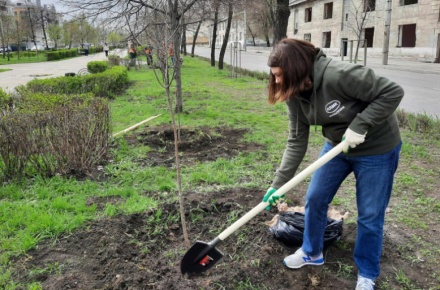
200,257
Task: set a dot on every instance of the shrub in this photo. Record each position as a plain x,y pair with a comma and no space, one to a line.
70,135
105,84
114,59
97,66
421,123
61,54
5,100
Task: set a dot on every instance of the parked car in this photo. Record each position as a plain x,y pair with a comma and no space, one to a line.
5,49
39,47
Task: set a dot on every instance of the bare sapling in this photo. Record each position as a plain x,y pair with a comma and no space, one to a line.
166,65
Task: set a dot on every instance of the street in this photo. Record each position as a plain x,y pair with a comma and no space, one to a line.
421,81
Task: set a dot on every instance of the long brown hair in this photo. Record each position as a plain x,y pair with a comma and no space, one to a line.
295,57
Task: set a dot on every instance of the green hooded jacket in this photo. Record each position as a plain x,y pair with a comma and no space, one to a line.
344,96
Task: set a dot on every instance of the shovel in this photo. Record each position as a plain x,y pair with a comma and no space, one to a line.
202,256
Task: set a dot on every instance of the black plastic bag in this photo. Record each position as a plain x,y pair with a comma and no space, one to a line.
289,229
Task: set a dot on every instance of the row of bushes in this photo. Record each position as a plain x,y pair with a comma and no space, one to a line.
60,54
58,125
52,134
56,54
107,83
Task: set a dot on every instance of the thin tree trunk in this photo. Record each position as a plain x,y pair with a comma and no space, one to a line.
44,29
282,19
214,36
196,34
226,39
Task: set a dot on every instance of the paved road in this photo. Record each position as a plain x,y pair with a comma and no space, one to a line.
25,72
421,81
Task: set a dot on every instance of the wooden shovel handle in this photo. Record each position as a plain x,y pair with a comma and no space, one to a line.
284,189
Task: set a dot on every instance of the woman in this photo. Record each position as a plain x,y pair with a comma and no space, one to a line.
106,48
351,103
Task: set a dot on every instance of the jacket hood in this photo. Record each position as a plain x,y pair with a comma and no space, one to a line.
321,62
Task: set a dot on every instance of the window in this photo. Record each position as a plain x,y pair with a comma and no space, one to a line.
308,37
295,21
326,39
328,10
369,36
369,5
308,15
407,35
408,2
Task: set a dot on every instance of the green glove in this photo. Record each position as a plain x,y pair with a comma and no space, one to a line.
272,199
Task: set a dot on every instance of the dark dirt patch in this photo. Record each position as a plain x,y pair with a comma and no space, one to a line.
126,253
143,251
196,144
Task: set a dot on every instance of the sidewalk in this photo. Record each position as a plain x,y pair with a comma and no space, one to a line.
22,73
394,63
420,80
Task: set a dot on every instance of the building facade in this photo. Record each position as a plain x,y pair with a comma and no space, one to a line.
237,33
410,27
31,20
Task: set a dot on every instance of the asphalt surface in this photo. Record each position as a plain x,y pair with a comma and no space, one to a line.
22,73
420,80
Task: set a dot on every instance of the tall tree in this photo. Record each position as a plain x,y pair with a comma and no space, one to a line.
55,33
6,31
282,14
226,38
214,32
32,24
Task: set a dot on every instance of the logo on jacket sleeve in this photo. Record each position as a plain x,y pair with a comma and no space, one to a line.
333,108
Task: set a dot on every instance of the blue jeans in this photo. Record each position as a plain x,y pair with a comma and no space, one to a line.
374,181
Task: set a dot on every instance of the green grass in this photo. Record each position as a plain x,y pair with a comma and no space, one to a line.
38,209
13,59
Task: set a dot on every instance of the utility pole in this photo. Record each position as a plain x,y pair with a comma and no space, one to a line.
244,33
386,40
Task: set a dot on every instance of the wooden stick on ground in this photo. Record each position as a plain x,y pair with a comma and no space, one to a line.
135,126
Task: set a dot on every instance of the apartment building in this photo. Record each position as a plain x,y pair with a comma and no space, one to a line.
30,17
413,25
237,33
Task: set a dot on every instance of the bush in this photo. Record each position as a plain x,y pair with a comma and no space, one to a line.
105,84
70,135
61,54
5,100
97,66
114,59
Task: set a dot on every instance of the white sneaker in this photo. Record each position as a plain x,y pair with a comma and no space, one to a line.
300,259
364,283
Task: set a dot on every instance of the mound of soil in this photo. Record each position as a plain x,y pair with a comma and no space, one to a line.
195,145
143,251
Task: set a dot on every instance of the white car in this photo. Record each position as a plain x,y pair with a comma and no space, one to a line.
39,47
6,49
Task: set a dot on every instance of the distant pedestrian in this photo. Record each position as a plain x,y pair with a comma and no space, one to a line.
86,49
149,54
133,54
106,48
172,54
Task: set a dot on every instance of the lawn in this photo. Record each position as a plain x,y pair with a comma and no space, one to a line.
119,228
13,58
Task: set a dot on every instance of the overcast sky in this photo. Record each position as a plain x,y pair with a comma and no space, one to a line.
56,3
